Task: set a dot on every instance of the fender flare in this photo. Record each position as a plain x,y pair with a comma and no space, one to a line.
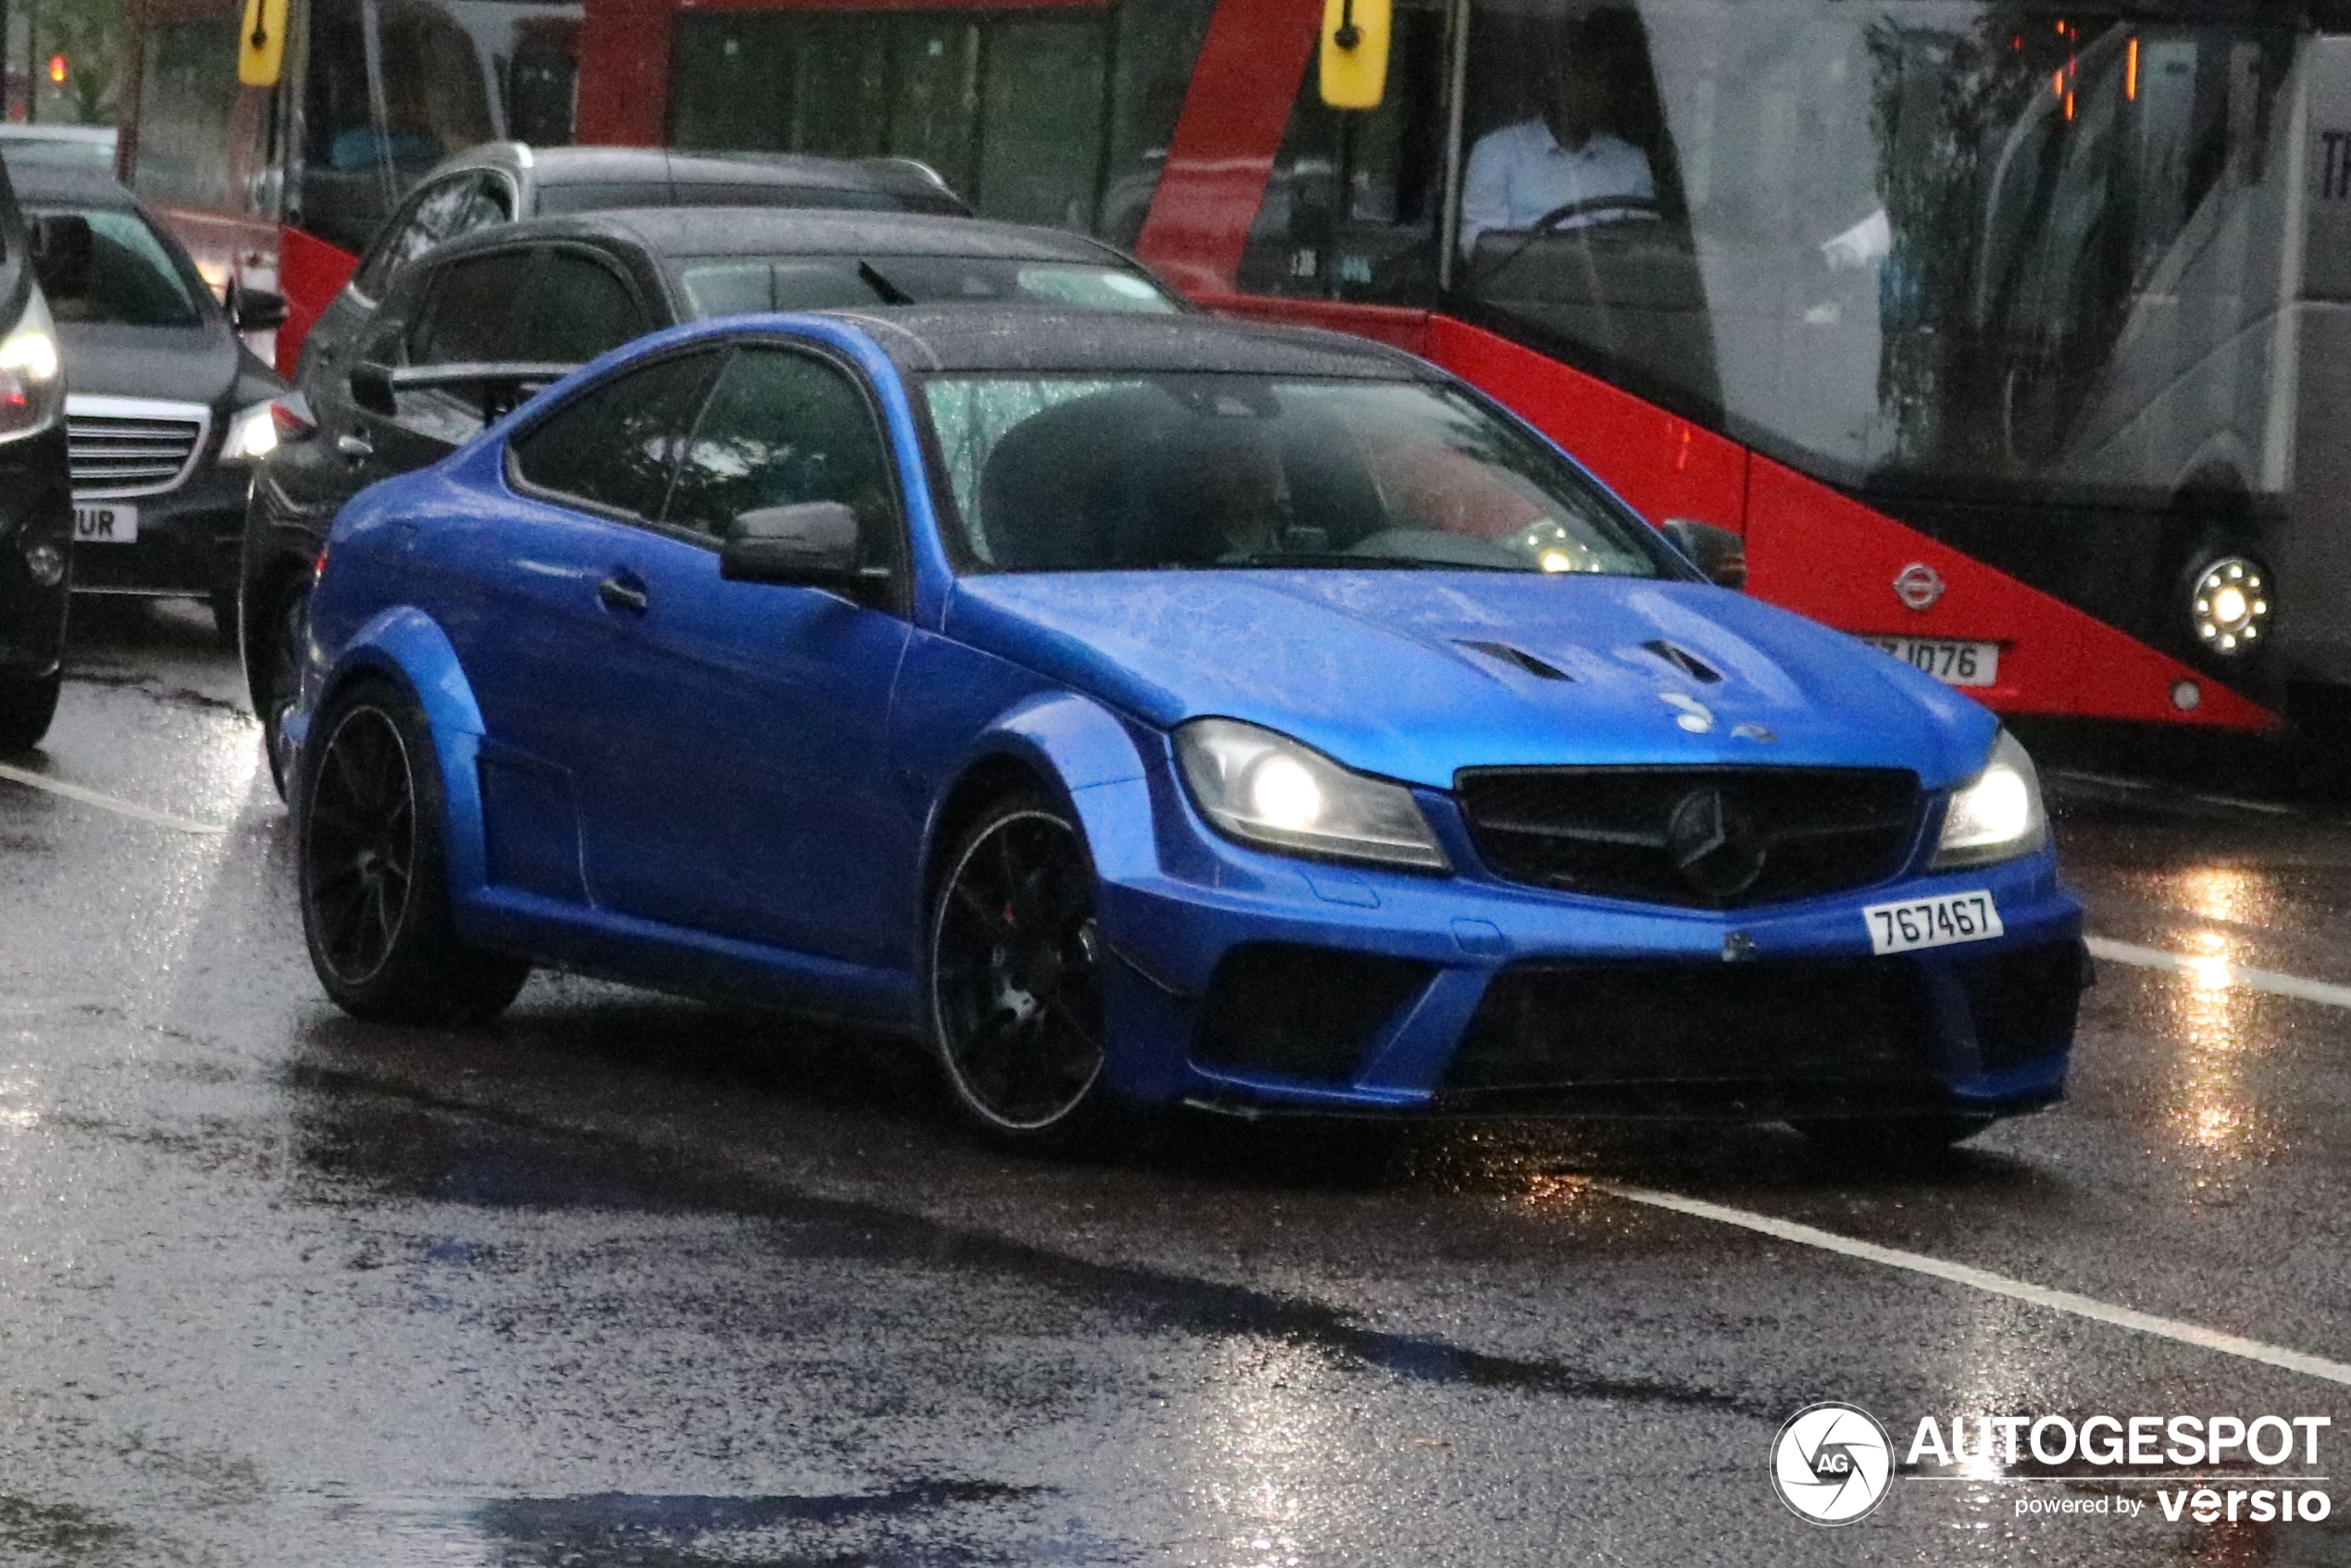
407,646
1084,752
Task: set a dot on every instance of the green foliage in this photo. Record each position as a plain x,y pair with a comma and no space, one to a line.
88,33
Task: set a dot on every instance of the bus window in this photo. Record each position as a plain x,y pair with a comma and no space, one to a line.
437,95
1351,209
340,192
195,131
1058,116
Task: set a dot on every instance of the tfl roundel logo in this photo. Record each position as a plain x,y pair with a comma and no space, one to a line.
1917,585
1831,1464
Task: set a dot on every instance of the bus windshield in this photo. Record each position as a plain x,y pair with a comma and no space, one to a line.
1922,239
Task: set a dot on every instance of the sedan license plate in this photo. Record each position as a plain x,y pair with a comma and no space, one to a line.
1954,664
105,522
1937,921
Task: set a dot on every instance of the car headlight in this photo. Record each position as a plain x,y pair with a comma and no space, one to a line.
253,434
32,383
1997,814
1267,790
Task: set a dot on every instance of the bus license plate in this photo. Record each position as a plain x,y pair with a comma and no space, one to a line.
1937,921
97,522
1954,664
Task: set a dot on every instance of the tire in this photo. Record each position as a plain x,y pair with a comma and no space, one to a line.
26,708
277,676
1891,1142
224,618
374,876
1014,976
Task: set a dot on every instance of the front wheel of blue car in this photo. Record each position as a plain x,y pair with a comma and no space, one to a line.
374,875
1015,974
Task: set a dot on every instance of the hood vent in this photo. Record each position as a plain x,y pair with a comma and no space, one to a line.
1518,658
1682,659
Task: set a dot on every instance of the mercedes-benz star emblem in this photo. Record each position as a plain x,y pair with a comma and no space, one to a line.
1713,845
1831,1464
1919,586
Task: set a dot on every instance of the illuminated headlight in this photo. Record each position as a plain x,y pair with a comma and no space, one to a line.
1997,814
32,385
253,435
1267,790
2230,607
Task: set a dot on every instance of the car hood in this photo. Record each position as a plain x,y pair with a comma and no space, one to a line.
176,363
1378,668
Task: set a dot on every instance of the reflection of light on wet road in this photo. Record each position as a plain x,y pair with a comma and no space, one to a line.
2221,893
1275,1434
2208,1108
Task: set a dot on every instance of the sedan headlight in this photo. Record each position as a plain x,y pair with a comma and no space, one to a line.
1997,814
1267,790
32,384
253,434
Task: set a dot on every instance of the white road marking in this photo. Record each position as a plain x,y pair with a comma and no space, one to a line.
2215,973
105,803
1993,1284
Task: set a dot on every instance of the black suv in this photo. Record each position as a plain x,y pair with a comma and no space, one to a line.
487,318
36,497
503,182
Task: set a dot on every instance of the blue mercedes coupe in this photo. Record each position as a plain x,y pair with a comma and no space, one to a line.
1149,710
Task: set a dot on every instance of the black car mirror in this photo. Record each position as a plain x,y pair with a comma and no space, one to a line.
813,543
371,390
1719,553
63,255
255,310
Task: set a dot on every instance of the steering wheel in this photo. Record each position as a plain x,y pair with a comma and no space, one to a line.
1632,209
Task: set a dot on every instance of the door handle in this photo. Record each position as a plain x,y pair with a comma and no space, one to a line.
355,447
623,591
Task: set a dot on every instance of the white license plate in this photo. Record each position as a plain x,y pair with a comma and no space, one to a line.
105,522
1936,922
1954,664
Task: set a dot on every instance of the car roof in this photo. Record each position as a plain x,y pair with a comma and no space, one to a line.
921,339
589,166
18,130
54,183
689,233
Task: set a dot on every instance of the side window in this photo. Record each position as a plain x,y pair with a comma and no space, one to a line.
783,428
492,203
583,308
613,447
431,216
470,316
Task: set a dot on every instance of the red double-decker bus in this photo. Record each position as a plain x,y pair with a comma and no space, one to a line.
2005,335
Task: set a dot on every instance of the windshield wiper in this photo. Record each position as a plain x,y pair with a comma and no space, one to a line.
1348,558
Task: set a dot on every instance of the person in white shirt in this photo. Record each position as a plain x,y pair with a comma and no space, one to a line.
1522,171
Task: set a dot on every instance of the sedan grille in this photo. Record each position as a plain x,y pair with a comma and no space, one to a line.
1715,838
132,446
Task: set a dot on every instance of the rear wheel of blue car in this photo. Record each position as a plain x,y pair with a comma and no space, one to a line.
1015,974
374,875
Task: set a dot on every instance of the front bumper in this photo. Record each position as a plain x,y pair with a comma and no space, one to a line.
1252,981
189,543
35,509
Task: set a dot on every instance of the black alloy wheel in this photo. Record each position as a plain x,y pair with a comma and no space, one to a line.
281,680
374,881
1016,962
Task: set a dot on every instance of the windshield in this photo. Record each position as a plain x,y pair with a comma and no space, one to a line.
1917,238
1124,473
737,286
115,271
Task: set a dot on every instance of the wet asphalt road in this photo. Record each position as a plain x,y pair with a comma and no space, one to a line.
635,1281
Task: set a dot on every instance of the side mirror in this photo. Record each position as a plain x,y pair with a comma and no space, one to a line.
255,310
371,390
813,543
63,255
1719,553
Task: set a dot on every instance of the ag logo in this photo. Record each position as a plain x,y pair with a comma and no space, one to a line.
1831,1463
1919,586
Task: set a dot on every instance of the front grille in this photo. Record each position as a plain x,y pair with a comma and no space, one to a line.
1716,838
1306,1012
132,446
1757,1035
